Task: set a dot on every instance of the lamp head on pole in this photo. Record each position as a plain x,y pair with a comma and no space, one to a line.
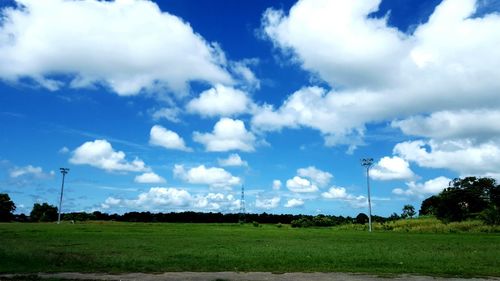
367,162
64,171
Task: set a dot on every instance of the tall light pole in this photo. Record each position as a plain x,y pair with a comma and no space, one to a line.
64,171
367,163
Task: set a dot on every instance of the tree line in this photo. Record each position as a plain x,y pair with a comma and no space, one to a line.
48,213
467,198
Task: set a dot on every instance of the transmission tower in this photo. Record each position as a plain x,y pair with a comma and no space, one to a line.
242,205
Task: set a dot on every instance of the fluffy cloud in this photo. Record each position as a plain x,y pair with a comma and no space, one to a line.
169,113
160,136
462,156
217,201
214,177
220,101
316,108
317,176
294,203
100,154
31,171
300,185
91,41
356,44
276,184
242,70
267,203
429,187
380,72
391,168
335,193
149,178
480,124
340,193
161,199
232,160
228,134
307,180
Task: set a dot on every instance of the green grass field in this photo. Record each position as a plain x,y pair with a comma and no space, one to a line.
139,247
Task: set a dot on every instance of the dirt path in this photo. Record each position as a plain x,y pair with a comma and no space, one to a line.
244,276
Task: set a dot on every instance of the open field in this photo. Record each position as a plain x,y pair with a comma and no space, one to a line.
138,247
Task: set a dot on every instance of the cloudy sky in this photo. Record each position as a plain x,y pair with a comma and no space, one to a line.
174,105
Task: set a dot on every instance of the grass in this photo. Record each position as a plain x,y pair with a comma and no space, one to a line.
428,225
140,247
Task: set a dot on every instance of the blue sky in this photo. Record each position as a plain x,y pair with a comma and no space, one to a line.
174,105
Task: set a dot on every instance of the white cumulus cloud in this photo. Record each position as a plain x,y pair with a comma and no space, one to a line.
427,188
220,101
160,199
317,176
232,160
228,134
267,203
378,73
126,45
340,193
479,124
462,156
163,196
301,185
160,136
29,170
335,193
149,177
212,176
100,154
294,203
169,113
391,168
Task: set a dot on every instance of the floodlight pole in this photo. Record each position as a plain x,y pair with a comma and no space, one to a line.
64,171
367,163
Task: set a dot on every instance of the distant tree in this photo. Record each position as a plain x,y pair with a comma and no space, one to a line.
408,211
465,198
394,217
7,207
43,212
361,218
429,206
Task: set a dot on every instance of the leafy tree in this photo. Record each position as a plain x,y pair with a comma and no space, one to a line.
429,206
43,212
361,218
408,211
465,198
7,207
394,217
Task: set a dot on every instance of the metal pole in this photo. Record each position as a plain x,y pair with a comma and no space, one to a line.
367,163
369,199
64,171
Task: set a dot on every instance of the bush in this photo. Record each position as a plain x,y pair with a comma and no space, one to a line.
256,224
491,216
279,225
302,222
361,218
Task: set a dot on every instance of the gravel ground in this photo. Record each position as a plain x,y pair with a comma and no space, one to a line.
244,276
